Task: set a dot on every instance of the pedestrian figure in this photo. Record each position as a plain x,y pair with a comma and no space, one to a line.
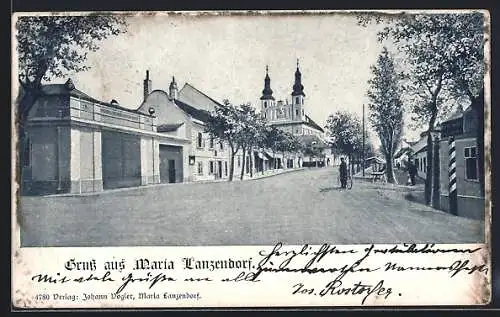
412,171
343,173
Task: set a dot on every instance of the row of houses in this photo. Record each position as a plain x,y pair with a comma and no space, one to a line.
76,143
461,158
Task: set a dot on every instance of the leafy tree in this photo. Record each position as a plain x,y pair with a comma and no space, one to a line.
224,123
288,144
50,46
345,133
443,56
273,137
386,108
250,132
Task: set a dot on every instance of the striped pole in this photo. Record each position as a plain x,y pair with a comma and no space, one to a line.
452,173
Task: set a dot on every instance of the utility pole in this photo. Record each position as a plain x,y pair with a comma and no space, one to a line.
363,150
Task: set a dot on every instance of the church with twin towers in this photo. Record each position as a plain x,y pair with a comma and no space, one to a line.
290,117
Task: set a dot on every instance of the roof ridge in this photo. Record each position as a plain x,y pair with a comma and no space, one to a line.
201,92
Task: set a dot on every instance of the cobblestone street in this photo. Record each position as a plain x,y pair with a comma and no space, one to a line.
304,206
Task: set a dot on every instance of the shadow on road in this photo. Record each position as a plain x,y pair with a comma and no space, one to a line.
327,189
416,197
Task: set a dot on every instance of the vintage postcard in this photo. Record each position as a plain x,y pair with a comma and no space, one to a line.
251,159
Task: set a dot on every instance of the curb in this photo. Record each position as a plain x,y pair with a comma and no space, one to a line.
275,174
125,189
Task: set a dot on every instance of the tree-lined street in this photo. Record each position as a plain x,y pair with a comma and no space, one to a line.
306,206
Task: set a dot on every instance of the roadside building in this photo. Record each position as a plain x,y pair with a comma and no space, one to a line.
401,157
184,113
76,143
463,127
419,155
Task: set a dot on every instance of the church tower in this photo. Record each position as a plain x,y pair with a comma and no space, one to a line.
172,89
298,97
267,99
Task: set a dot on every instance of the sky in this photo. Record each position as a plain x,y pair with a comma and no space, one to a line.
226,56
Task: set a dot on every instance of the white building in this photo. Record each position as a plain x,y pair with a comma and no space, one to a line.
75,143
184,113
292,117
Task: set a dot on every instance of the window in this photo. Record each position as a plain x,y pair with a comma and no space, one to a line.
225,168
239,161
265,115
302,111
265,104
302,101
425,164
221,145
200,168
297,101
471,167
297,112
212,167
200,140
211,142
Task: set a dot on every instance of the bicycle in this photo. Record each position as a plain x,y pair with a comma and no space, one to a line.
349,180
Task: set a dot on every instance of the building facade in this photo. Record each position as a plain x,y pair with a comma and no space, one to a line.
419,155
75,144
289,117
292,118
462,127
184,114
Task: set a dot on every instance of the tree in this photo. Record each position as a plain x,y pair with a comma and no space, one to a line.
50,46
443,62
386,108
271,140
345,133
224,123
287,144
250,132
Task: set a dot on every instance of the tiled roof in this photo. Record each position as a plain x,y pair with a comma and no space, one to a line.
198,114
169,127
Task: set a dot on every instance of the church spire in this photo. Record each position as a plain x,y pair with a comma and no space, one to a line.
298,88
267,93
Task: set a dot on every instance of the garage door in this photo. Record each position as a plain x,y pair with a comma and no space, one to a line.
121,160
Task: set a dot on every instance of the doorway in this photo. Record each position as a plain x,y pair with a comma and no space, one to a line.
219,170
171,164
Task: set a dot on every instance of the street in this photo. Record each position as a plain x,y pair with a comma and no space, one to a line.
294,208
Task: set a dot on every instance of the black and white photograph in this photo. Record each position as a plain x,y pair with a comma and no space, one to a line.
204,129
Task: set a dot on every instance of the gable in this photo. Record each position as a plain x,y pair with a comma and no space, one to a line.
165,110
195,98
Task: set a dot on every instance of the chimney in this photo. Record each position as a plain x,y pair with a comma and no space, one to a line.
147,85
